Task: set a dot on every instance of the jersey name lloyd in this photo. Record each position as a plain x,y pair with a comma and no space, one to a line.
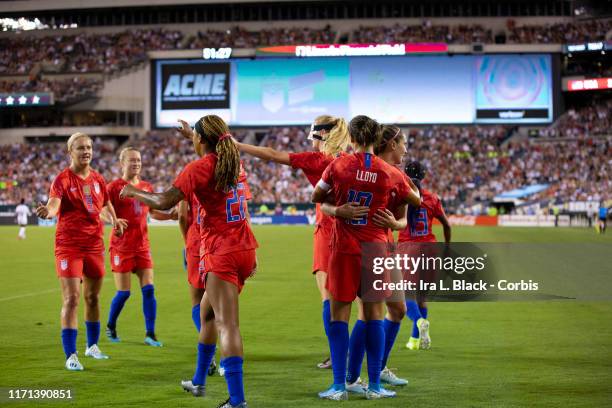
367,176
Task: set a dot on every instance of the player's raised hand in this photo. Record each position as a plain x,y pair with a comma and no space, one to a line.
185,130
127,191
42,211
384,218
352,211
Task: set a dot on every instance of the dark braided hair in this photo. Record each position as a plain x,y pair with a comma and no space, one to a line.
215,132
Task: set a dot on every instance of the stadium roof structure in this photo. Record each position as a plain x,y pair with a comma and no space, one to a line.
36,5
16,6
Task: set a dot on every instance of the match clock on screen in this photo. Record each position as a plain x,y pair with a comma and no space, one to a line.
216,53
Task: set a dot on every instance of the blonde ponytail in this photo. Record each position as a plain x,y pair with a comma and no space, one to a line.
338,138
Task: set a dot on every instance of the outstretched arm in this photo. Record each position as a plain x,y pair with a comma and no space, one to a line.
164,216
156,201
265,153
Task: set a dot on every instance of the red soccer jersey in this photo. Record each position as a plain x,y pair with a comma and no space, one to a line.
79,228
370,181
135,238
193,232
313,164
421,229
224,228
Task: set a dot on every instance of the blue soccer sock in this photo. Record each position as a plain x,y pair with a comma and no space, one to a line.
375,347
326,316
357,348
206,353
391,330
424,312
195,316
413,312
149,308
69,337
116,306
338,345
233,378
93,333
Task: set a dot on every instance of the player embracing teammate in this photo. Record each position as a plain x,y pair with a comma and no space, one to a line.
228,247
367,180
330,139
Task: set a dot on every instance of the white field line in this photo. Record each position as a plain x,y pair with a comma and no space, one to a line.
37,293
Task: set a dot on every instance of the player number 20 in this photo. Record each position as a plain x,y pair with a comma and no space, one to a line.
236,197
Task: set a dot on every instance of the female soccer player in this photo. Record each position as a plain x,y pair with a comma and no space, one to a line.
391,148
420,221
228,243
131,252
189,224
365,179
77,197
329,136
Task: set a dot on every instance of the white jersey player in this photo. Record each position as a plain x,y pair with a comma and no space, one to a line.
23,212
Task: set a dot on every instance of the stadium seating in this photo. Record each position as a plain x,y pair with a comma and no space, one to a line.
468,165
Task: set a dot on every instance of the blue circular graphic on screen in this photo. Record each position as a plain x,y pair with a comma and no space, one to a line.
511,81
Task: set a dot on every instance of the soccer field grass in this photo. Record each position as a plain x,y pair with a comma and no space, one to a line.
501,354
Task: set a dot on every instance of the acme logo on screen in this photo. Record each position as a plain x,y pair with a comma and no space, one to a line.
195,85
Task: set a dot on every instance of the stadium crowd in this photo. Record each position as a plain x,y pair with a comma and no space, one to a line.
559,33
239,37
591,120
468,165
425,32
83,52
112,52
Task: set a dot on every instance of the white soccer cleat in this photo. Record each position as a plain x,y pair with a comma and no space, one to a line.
379,393
73,363
194,389
387,376
358,387
95,352
425,340
333,394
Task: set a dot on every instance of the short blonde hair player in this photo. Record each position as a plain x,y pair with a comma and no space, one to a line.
78,195
131,252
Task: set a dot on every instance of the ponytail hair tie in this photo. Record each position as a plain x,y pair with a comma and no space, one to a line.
224,136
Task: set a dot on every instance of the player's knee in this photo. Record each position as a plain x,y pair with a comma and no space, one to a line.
396,311
209,316
226,325
92,299
71,301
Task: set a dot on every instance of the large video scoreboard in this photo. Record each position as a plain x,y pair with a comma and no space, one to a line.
406,89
